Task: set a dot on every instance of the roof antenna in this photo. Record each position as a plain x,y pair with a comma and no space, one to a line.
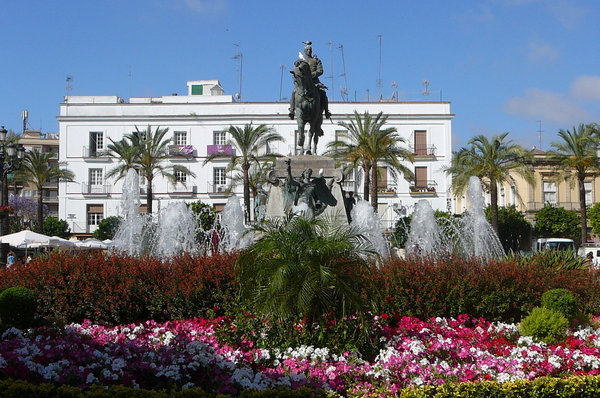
540,132
240,58
330,44
379,76
344,88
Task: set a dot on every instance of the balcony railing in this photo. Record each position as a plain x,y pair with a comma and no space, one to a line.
186,151
94,189
224,150
429,186
218,189
422,150
95,154
180,189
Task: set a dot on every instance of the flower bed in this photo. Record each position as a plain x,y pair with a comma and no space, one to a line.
187,353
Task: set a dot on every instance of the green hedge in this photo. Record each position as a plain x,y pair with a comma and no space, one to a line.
21,389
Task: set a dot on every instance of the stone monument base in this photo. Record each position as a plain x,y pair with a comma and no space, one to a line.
320,165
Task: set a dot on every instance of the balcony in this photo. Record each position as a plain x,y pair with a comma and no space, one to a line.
94,155
220,150
420,151
386,190
88,189
179,189
423,188
217,189
184,151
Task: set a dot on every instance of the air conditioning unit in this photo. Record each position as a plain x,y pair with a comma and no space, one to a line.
220,189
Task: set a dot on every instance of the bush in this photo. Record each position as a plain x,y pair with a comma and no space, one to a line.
116,289
561,301
17,307
545,325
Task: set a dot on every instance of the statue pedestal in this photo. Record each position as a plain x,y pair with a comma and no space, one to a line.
277,176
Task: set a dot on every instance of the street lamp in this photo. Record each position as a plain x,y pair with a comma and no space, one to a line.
11,156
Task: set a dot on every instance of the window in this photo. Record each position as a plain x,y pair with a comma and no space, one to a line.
180,138
180,176
420,177
219,180
382,177
95,177
96,142
420,142
197,89
219,138
588,193
95,214
549,193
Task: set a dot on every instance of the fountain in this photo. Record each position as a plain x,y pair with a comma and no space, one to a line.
366,220
175,229
470,235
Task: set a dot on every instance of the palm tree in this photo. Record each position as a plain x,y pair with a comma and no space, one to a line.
38,169
153,153
127,155
303,267
492,161
247,141
366,144
576,159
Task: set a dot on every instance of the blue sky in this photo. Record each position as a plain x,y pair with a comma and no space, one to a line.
515,66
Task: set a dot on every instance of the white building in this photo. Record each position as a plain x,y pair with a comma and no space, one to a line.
196,122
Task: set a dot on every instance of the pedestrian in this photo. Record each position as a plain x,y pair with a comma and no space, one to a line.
11,259
589,259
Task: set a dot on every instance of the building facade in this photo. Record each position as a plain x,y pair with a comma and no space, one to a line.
196,123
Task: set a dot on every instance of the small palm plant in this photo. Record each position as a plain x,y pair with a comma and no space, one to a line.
307,268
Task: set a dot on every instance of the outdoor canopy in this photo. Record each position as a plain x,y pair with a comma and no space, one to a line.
29,239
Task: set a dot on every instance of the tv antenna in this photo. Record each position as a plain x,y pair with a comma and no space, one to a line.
282,67
425,91
540,133
344,88
240,66
330,44
395,88
379,75
69,87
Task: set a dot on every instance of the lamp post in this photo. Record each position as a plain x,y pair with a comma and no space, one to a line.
11,156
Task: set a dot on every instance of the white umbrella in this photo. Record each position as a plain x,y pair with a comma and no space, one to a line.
63,242
28,239
91,243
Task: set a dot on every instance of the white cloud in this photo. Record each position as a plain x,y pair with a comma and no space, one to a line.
546,105
540,51
206,6
586,88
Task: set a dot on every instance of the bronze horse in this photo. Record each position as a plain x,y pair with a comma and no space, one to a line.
308,107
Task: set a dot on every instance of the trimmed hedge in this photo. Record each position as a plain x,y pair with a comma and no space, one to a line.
20,389
112,290
498,290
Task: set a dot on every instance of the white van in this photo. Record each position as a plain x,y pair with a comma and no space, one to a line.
559,244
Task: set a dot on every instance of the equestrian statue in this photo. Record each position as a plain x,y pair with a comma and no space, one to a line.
308,101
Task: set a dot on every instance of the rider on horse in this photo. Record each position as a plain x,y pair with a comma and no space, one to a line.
316,68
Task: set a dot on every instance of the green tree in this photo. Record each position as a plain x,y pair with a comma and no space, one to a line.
593,214
38,169
55,227
514,231
151,161
557,222
576,159
493,161
107,228
127,155
206,214
247,140
305,268
367,144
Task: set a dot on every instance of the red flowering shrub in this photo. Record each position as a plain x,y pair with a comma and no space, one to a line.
496,290
112,289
